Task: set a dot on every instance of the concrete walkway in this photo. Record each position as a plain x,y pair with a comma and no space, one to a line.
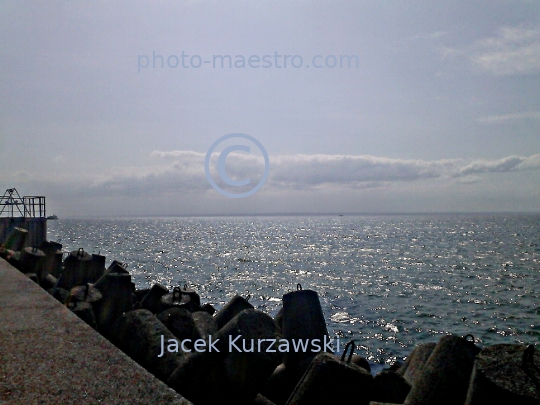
49,356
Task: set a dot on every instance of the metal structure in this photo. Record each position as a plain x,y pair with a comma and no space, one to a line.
13,205
26,212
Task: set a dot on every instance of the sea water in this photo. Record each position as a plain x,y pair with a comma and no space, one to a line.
388,282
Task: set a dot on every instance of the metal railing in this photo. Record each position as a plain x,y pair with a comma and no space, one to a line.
13,205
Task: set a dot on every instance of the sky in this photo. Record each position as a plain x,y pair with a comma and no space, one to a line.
111,108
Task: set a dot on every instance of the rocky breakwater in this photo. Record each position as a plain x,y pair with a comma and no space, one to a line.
241,355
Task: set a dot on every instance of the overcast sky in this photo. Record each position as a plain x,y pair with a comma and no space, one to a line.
109,108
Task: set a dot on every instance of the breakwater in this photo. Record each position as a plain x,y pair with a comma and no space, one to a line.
162,330
49,356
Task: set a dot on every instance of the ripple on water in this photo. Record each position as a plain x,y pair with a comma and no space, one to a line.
389,282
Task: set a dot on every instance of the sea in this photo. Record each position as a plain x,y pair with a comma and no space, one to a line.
388,282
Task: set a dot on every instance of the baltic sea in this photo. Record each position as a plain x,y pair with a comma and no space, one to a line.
389,282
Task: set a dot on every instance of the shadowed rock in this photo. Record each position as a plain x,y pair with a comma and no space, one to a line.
231,309
225,374
388,386
139,333
206,324
153,297
507,374
446,374
180,322
413,366
329,380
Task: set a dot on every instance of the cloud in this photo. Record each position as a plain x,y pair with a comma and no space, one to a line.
497,119
505,165
180,176
177,154
313,170
184,174
512,51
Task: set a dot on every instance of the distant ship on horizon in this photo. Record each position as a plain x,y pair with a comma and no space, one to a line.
52,217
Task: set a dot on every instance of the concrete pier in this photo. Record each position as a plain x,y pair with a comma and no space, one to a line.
49,356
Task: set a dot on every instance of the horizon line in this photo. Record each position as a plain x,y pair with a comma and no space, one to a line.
293,214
